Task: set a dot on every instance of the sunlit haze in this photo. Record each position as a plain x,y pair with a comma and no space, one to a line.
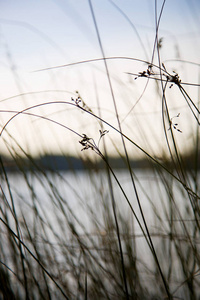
39,41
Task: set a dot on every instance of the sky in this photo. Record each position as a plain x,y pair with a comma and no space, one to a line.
40,39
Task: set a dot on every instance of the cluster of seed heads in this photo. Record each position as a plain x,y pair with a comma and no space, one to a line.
86,142
78,101
174,79
146,73
174,125
89,143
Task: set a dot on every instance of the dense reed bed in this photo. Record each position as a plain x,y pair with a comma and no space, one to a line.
102,232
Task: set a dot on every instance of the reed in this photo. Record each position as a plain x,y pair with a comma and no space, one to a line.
102,232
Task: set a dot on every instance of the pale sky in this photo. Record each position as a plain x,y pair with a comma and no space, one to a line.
36,35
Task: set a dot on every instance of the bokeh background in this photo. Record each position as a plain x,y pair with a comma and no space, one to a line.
40,39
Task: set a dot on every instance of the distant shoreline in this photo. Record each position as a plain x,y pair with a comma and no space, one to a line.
69,163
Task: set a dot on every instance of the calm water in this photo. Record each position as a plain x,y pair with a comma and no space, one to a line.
84,192
84,199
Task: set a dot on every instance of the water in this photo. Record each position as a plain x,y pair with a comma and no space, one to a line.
82,195
84,189
78,203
